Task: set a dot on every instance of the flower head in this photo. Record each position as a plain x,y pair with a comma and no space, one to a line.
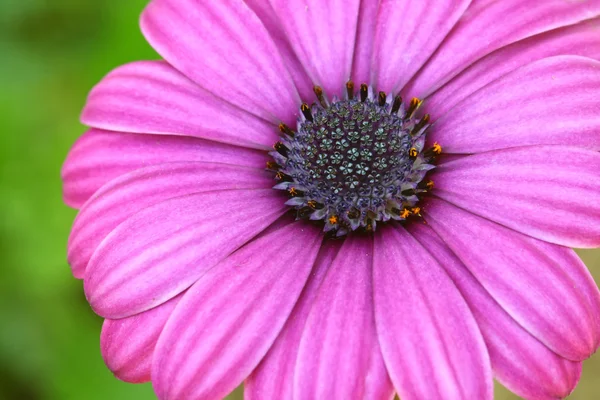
345,199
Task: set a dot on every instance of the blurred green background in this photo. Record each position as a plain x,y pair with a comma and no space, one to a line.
52,53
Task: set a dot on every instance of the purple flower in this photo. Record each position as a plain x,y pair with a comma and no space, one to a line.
360,261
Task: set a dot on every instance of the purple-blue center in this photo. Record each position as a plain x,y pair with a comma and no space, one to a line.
355,163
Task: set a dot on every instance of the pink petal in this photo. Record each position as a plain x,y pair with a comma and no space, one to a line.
163,249
339,355
520,362
99,156
551,101
128,344
322,33
273,23
429,339
274,376
544,287
153,97
224,47
365,37
130,193
407,34
549,192
478,33
580,39
227,321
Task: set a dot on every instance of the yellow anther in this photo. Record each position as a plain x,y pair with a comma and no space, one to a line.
312,204
305,108
413,152
283,128
414,105
350,90
405,213
416,211
416,102
333,220
382,98
293,191
364,92
437,148
320,96
429,185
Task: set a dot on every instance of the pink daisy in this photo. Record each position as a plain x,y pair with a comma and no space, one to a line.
269,204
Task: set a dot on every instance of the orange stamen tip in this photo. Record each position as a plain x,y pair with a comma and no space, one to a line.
333,220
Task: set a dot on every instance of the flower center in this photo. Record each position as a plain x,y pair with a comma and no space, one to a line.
355,162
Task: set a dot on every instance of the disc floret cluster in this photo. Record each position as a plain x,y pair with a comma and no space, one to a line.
356,162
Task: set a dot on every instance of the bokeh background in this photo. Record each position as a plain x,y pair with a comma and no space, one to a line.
51,54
